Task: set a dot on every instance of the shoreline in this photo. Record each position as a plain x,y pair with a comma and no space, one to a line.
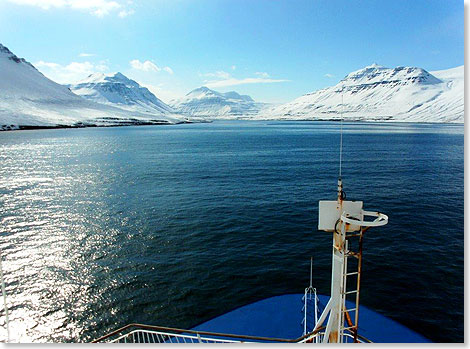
7,128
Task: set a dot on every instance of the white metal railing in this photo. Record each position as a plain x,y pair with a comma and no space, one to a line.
310,309
147,336
309,322
139,333
136,333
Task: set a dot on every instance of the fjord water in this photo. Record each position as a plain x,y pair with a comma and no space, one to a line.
173,225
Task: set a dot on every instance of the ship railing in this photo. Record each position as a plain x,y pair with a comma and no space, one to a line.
139,333
145,336
310,309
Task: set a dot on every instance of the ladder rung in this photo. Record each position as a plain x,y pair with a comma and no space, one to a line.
353,273
350,328
348,310
349,292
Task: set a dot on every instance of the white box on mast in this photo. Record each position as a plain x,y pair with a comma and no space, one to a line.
329,213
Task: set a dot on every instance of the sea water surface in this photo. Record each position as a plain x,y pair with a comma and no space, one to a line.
173,225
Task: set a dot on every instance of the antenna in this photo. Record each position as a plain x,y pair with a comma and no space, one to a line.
341,133
311,270
342,217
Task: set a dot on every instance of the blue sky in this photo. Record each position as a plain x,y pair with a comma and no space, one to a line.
272,50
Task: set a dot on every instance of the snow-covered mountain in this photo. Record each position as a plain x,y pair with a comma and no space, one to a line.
118,90
379,93
28,98
204,102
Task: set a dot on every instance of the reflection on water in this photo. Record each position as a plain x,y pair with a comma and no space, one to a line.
51,199
173,225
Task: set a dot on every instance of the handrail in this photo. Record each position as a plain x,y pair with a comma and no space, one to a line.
178,330
148,336
304,338
308,336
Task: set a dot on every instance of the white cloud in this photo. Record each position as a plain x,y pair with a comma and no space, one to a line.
44,4
234,82
145,66
234,67
262,74
50,65
97,8
168,70
86,55
223,79
148,66
125,13
329,76
220,74
71,72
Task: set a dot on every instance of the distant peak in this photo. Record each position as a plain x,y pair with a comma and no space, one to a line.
236,95
374,65
232,94
374,74
4,49
96,75
11,56
118,75
102,78
202,89
205,92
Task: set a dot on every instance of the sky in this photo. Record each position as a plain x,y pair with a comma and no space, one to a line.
272,50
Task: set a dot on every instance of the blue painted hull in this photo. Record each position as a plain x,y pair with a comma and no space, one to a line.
281,317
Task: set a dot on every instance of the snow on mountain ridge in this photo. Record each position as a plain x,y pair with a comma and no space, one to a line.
374,92
205,102
236,95
19,78
203,92
28,98
375,74
379,93
452,73
112,77
13,57
118,90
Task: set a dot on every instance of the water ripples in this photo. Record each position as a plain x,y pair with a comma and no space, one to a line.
173,225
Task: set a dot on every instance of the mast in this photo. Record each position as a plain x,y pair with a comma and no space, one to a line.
346,220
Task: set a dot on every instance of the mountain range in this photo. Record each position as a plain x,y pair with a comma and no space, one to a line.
29,99
118,90
373,93
377,93
204,102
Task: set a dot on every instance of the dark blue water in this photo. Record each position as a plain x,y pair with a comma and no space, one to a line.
173,225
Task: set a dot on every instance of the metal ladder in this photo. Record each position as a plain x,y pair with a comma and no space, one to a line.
352,323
